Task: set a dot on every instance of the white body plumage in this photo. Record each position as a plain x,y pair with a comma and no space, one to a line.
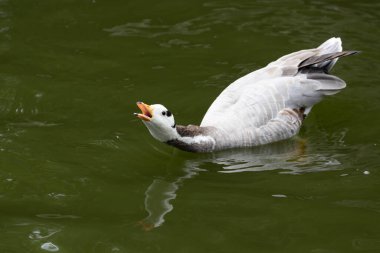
267,105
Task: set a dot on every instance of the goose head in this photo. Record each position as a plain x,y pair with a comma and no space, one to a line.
159,121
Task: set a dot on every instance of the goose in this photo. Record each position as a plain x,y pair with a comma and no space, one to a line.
267,105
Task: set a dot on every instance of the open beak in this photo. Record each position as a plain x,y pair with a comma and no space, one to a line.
146,112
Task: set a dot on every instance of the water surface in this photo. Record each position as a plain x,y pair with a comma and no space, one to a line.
78,173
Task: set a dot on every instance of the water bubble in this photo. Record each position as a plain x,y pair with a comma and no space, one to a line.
38,96
48,246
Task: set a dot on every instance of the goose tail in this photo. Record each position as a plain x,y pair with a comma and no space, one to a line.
329,52
328,55
318,66
332,45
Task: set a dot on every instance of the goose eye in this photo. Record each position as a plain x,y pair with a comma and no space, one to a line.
164,113
168,113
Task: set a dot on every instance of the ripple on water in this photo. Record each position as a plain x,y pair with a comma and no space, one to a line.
279,196
7,97
288,163
359,203
43,233
34,124
55,195
56,216
105,143
366,244
146,29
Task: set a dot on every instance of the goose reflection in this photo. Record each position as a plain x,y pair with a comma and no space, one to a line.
158,197
290,157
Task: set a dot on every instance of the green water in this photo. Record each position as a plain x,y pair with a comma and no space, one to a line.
79,173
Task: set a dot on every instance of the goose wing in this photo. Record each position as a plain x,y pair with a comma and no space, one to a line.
269,104
286,66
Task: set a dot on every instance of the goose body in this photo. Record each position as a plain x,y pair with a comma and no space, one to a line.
264,106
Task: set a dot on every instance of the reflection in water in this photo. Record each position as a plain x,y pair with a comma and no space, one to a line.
289,157
157,201
158,197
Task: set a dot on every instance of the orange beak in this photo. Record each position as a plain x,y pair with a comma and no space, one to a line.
146,112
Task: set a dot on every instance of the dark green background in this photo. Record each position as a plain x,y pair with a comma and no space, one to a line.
79,171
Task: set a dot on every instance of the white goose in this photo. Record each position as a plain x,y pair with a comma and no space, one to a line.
265,106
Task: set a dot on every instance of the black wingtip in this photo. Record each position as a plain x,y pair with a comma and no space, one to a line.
351,52
325,57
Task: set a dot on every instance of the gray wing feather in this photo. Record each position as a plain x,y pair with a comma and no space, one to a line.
325,61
